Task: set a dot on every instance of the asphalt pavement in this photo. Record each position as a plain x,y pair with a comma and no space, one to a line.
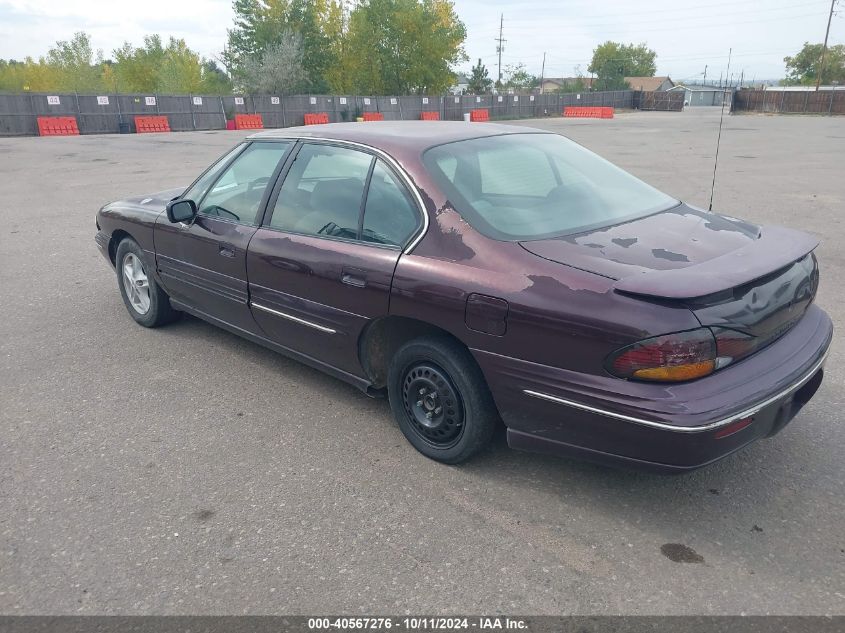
184,470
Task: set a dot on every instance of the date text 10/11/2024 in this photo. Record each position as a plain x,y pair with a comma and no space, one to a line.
416,623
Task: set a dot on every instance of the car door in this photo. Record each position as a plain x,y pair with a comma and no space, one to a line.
203,264
321,266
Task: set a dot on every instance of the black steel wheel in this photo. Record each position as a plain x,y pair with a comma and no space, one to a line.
433,405
440,399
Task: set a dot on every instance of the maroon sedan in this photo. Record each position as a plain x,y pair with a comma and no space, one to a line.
476,274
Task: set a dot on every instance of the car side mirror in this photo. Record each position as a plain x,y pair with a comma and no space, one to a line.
181,210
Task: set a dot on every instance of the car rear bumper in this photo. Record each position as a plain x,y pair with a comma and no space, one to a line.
663,427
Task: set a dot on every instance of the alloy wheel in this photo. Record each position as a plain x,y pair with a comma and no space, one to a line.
136,284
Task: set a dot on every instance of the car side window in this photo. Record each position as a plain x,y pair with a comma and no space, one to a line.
200,187
322,192
390,216
237,193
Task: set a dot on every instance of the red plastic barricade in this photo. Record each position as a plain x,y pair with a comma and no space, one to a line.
579,112
429,116
147,124
373,116
249,122
57,126
479,116
316,118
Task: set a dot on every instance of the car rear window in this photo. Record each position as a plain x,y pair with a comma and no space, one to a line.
536,186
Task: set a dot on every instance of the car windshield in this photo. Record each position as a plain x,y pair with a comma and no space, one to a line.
535,186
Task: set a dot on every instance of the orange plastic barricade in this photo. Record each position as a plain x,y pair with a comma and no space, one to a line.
579,112
429,116
373,116
249,122
316,118
479,116
57,126
147,124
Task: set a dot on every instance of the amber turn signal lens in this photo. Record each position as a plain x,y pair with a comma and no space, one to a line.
677,373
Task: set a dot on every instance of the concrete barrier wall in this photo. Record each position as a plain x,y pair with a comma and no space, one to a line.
111,114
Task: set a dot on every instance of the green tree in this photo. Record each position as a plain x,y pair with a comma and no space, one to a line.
612,62
137,69
803,67
260,24
214,80
519,79
479,81
174,68
403,46
75,63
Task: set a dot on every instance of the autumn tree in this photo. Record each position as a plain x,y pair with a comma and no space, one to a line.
803,67
479,81
612,62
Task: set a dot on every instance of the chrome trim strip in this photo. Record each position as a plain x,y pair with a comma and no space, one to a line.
381,154
685,429
290,317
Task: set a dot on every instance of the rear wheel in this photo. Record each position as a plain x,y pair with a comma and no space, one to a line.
146,302
440,399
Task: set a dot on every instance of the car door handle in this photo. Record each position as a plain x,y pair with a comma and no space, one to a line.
227,250
353,280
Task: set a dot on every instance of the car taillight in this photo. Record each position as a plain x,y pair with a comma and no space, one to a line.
681,356
667,358
732,346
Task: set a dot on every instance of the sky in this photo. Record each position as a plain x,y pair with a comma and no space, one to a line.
686,34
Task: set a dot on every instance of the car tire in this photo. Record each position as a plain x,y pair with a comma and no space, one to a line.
440,399
146,302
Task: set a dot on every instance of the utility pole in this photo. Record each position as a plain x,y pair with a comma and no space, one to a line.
543,72
500,48
705,74
824,48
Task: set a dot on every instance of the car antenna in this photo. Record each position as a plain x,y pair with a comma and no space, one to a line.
719,138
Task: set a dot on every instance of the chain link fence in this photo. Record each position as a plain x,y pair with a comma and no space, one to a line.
112,114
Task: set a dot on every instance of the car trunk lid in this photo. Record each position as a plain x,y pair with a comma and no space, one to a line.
731,274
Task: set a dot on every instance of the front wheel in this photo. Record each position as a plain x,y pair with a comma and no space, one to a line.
440,399
146,302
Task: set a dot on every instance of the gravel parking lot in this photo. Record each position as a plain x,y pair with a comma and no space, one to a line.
184,470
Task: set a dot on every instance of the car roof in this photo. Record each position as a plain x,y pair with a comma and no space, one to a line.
391,136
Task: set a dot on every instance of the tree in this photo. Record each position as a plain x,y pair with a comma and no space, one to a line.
519,79
402,46
479,81
803,67
174,68
75,63
612,62
260,24
278,70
